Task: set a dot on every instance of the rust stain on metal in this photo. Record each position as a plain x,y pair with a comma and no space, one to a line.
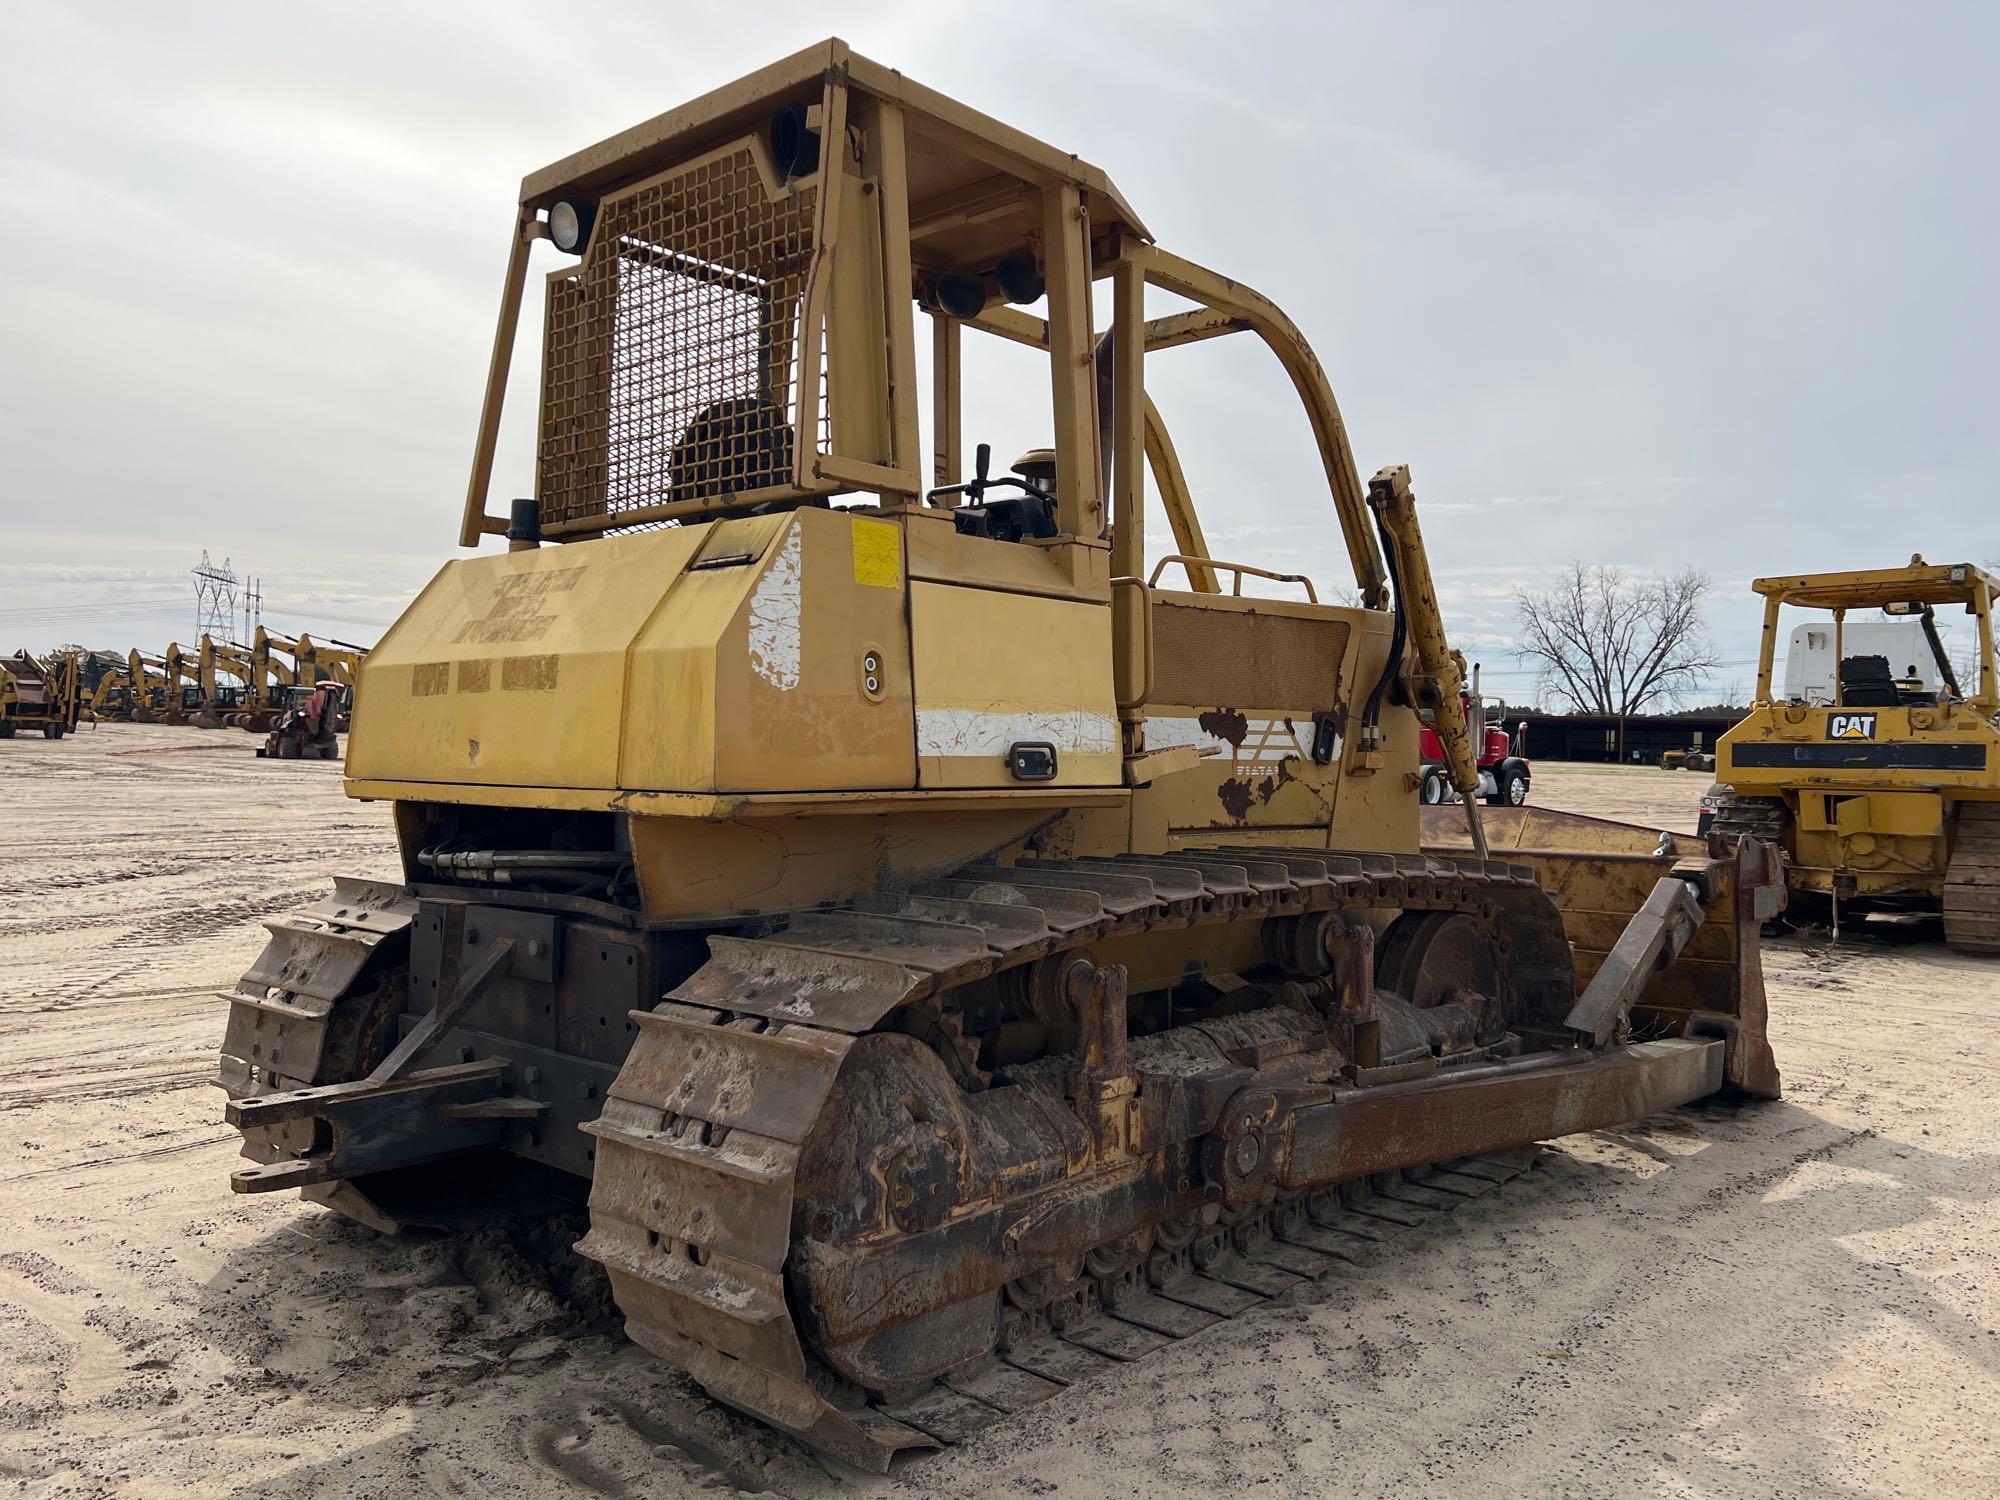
1225,724
1268,787
1235,794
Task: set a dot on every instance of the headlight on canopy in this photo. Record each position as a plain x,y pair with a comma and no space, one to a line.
569,224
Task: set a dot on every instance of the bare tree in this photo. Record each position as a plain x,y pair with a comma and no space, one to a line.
1609,644
1965,664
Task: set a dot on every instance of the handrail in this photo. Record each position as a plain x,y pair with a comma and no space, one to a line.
1145,641
1239,569
1282,336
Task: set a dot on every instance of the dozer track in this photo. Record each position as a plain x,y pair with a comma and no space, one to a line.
814,1193
1972,881
319,1003
319,1006
1126,1314
1761,818
714,1180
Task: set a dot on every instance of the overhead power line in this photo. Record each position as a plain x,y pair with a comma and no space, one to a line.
95,604
319,614
59,616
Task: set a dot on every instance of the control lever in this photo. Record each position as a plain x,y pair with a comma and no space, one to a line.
975,488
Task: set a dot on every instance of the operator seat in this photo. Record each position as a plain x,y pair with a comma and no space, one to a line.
743,443
1865,682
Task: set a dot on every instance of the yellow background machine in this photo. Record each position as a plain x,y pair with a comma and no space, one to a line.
1887,794
39,693
945,949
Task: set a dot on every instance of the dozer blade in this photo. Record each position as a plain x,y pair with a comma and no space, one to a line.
1602,876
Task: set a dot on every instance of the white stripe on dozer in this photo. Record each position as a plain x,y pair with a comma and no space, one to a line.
1266,742
987,732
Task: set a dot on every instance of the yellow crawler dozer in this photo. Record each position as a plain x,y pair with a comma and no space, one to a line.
1882,782
954,956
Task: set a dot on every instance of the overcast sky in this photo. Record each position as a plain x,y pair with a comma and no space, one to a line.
1681,285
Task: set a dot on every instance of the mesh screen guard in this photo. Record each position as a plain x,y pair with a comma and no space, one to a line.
1251,661
671,366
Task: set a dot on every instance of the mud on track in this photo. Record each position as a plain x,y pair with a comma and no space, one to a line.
1801,1298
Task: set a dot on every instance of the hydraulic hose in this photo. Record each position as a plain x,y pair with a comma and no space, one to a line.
1371,714
521,859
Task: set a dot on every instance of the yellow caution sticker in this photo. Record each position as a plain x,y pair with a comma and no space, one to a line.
878,554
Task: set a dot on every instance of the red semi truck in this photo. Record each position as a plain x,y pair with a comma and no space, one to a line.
1503,770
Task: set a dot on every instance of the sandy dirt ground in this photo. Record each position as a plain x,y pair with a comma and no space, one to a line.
1799,1298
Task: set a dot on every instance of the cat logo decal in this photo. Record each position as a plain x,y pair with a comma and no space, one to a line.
1850,726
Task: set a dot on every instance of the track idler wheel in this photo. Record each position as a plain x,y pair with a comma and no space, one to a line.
1444,987
1428,956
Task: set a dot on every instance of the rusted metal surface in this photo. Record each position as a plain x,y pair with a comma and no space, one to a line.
1751,896
939,1215
769,1082
1653,939
1406,1125
1599,873
372,1125
1355,1134
870,1236
305,1011
734,1199
471,984
846,992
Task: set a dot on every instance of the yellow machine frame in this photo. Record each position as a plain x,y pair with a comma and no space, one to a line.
895,226
719,803
1874,796
53,696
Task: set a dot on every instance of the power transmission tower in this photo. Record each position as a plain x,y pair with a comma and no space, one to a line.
214,598
253,607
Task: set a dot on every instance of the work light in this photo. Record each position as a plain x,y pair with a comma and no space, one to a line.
569,225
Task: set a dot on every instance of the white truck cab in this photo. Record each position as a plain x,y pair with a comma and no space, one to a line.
1809,663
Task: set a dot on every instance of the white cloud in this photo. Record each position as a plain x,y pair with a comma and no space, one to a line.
1742,291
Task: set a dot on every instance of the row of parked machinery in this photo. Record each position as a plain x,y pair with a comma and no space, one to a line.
296,692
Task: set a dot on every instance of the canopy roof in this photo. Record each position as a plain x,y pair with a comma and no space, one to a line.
1919,583
966,169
